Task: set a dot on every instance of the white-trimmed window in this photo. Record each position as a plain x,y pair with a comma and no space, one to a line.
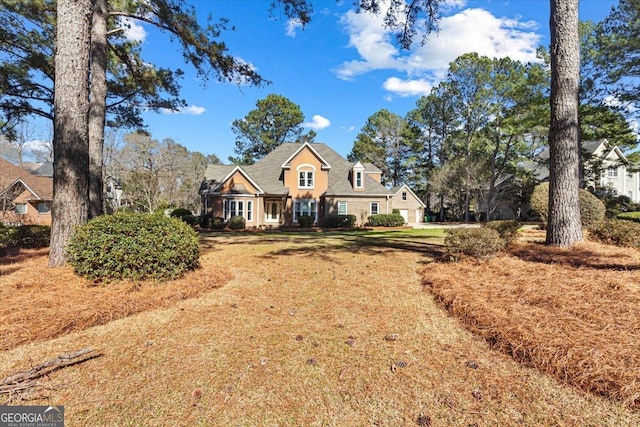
233,207
630,194
630,176
612,172
404,195
21,208
305,179
305,207
374,208
358,179
342,208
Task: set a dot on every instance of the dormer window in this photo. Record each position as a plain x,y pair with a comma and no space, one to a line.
358,179
357,176
305,179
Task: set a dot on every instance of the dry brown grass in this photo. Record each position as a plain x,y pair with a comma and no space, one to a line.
297,338
40,303
573,313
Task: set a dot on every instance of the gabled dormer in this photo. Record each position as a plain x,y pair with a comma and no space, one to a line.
357,177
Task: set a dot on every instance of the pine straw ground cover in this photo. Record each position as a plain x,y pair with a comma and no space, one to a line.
297,338
572,313
39,303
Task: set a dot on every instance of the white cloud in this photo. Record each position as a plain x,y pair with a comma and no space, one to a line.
293,24
469,30
192,110
405,88
133,31
317,123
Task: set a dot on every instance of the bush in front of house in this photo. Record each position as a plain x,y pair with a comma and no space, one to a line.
507,229
180,212
386,220
617,232
339,221
217,223
24,236
477,242
305,221
186,215
133,246
237,222
629,216
592,210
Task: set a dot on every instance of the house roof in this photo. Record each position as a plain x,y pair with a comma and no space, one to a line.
267,173
395,190
539,167
10,174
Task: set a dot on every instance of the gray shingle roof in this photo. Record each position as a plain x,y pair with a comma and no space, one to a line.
268,173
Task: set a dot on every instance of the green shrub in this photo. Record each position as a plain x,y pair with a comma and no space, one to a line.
386,220
480,242
629,216
305,221
217,223
237,222
180,212
395,211
592,210
339,221
8,238
507,229
617,232
33,236
133,246
24,236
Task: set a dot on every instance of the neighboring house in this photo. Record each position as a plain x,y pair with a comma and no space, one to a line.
25,198
113,194
299,179
605,167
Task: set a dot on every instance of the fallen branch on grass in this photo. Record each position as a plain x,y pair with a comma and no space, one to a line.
26,379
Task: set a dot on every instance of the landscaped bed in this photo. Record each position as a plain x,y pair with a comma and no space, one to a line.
40,303
573,313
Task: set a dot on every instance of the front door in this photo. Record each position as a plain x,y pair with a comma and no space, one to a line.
273,211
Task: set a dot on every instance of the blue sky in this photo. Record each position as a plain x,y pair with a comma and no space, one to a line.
341,68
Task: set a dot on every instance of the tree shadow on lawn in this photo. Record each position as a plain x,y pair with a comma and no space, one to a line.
578,256
368,245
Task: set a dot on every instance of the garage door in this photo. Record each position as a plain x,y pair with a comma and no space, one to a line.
405,215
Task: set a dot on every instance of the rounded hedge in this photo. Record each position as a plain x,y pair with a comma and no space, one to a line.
237,222
592,209
480,242
133,246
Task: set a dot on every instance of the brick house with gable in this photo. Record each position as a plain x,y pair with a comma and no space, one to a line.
298,179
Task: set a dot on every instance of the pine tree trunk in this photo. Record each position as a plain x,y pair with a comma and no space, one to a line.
564,227
99,59
70,139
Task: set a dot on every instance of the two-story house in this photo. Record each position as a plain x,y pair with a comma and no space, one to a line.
299,179
604,167
25,197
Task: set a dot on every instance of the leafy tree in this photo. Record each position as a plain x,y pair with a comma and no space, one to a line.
155,174
385,140
618,48
275,120
435,120
470,79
